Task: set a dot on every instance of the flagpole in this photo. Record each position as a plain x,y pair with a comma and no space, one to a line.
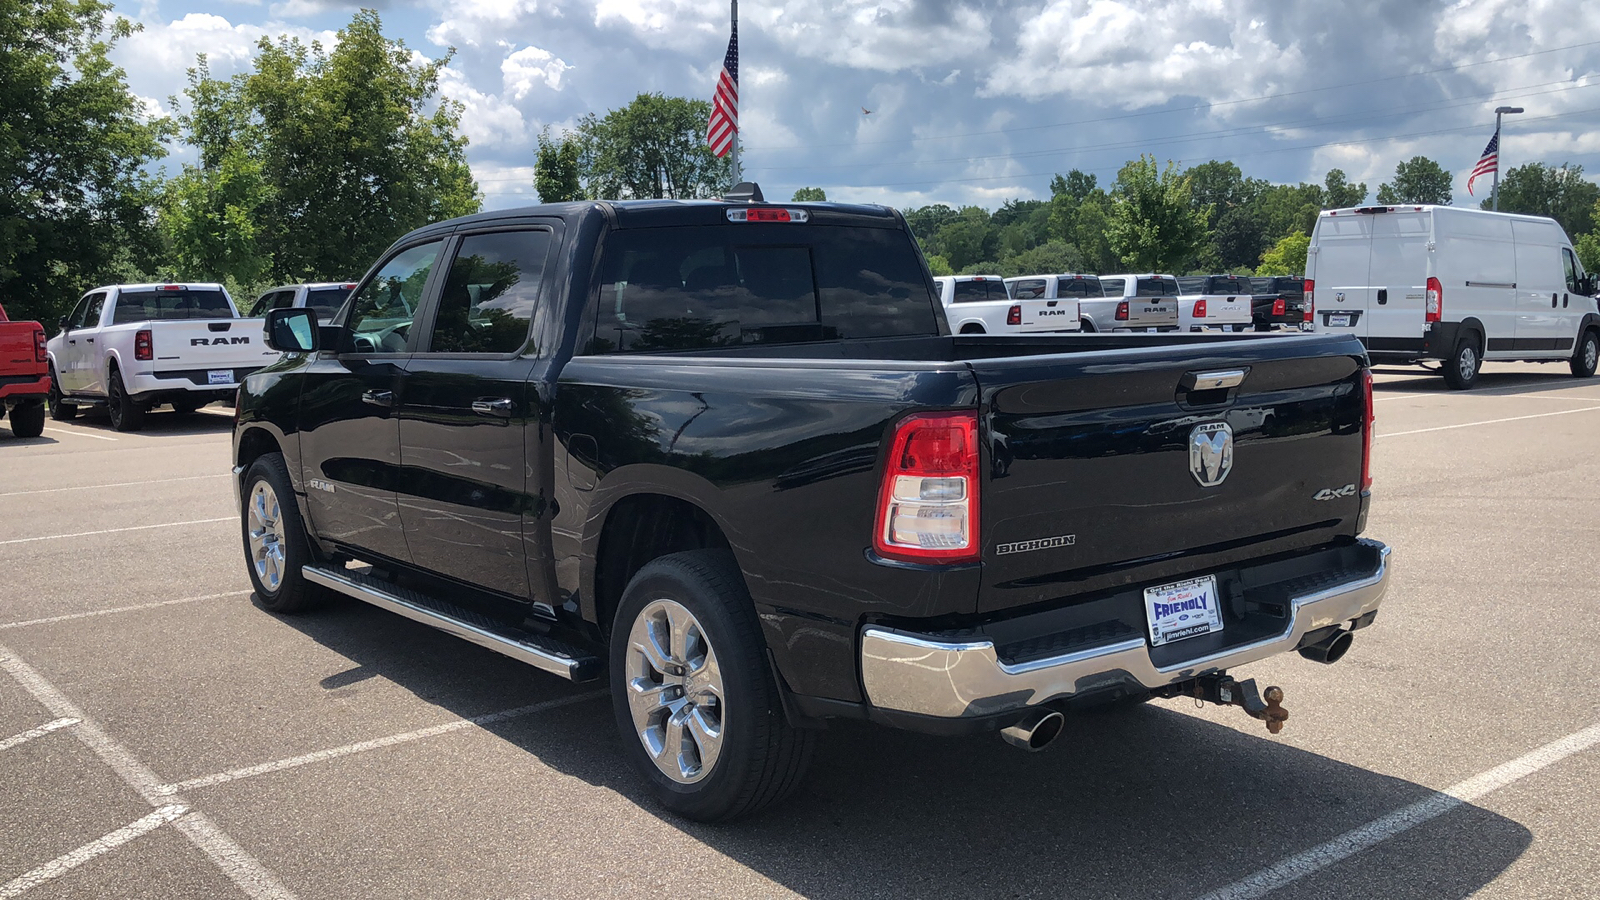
735,16
1494,192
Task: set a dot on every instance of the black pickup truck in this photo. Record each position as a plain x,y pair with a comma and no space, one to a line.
1278,300
728,455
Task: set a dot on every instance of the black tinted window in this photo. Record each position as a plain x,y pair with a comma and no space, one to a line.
490,293
1113,286
714,286
385,307
1191,284
1229,286
144,305
1030,289
326,301
1078,287
1155,287
971,291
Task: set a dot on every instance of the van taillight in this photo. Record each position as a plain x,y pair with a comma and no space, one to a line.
1199,309
40,354
1014,316
1122,311
1370,416
1433,308
1277,307
141,345
1311,301
928,501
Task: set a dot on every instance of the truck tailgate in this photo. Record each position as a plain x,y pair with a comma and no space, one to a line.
1148,312
208,344
16,349
1095,475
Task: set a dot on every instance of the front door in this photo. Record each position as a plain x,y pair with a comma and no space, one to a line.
350,436
78,368
469,425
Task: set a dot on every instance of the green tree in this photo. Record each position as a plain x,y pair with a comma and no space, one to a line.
354,147
209,219
1051,258
810,195
1287,257
74,143
556,172
1588,245
1238,240
1561,193
1417,180
967,238
1339,193
1153,227
1090,233
653,147
940,265
1067,193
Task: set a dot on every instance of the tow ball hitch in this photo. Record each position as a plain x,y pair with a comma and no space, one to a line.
1224,691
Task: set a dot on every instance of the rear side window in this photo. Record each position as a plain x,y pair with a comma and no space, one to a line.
1031,289
1113,286
710,286
490,293
1155,287
326,301
145,305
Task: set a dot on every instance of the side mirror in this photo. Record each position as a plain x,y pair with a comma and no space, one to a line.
292,330
62,322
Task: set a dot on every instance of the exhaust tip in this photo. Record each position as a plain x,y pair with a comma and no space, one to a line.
1035,730
1329,650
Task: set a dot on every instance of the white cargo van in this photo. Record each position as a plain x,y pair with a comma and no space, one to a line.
1458,285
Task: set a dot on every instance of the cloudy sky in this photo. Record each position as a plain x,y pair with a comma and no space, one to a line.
978,102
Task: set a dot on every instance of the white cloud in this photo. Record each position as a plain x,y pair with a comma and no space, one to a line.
488,120
157,57
523,70
477,23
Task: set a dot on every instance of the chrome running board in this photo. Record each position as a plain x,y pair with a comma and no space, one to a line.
544,653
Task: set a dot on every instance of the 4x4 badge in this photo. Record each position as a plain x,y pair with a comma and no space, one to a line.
1348,490
1211,453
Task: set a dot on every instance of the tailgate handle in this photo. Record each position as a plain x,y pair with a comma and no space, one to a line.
219,326
1220,379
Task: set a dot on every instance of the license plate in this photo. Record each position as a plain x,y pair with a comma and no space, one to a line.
1182,610
1341,321
219,376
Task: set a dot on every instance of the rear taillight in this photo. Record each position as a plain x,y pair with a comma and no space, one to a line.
1122,311
1433,307
928,501
40,354
1311,302
141,345
1368,418
1199,309
1014,316
1277,307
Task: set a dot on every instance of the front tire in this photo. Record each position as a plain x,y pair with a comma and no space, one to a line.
1586,355
27,420
1462,368
60,409
696,705
275,544
126,413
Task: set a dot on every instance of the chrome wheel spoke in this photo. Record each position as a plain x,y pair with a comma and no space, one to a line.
675,691
264,533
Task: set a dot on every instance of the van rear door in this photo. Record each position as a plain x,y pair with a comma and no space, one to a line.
1397,280
1339,263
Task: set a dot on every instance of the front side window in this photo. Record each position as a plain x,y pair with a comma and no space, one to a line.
260,307
80,313
1569,263
385,307
490,293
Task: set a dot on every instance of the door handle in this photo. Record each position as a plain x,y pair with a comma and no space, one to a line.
90,340
1565,299
378,398
1552,301
1383,296
499,407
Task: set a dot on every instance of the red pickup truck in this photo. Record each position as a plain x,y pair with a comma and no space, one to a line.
24,375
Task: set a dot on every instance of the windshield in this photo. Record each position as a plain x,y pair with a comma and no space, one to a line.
157,305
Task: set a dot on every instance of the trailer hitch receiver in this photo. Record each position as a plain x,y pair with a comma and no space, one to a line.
1265,705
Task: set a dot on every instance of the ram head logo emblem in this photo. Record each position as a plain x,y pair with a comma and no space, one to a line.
1211,453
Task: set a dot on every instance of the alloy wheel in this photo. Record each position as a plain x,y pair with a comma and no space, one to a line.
675,691
1591,353
1468,363
264,522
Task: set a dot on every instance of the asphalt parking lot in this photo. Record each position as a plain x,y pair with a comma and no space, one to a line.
161,737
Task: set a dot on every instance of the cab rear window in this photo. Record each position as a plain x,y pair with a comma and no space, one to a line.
1031,289
326,301
143,306
703,287
1078,287
1155,287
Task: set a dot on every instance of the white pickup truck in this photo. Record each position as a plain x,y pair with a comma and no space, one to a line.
131,347
986,304
1214,301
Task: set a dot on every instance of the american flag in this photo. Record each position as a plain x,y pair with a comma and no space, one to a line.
1489,162
725,108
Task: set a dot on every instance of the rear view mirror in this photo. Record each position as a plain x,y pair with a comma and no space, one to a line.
292,330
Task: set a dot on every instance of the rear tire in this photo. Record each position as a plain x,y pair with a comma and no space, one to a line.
972,329
708,691
275,543
1461,369
27,420
1088,326
126,413
1586,355
60,409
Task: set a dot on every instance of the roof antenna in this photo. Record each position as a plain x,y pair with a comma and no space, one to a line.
746,190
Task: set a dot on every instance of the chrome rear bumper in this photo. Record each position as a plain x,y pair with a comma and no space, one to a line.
928,676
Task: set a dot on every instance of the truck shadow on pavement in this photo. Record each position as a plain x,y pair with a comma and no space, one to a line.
161,423
1489,384
1138,802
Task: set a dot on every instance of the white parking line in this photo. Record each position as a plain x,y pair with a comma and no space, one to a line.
116,609
32,733
248,874
1559,412
1373,833
375,744
61,865
98,437
57,537
92,487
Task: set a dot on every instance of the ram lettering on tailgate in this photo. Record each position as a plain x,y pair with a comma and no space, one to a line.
202,342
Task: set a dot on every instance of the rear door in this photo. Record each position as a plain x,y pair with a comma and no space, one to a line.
1397,280
1340,265
470,445
349,437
